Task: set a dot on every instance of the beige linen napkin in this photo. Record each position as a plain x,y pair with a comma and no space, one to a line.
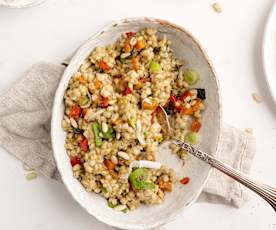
25,113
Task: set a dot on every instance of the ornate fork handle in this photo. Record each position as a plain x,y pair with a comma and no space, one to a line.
268,193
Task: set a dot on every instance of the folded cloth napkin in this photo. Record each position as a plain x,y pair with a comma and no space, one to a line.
25,112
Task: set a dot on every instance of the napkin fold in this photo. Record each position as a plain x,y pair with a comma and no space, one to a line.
25,114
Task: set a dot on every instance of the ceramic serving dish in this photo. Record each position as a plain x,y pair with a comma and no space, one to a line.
185,47
269,51
20,3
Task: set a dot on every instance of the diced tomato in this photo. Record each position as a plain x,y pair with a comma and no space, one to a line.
130,34
104,102
75,161
185,180
104,66
109,164
84,144
127,47
75,112
184,95
127,91
196,125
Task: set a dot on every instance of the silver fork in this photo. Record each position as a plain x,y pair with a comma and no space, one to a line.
267,192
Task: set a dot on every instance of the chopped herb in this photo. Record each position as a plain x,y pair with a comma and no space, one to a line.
77,130
110,205
103,190
125,210
31,176
160,139
109,135
122,60
132,122
96,131
83,101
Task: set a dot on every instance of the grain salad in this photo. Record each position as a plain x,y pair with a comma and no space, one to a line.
110,108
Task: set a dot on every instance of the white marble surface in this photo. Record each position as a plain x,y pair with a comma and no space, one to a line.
233,39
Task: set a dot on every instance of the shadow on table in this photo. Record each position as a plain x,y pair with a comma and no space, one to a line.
257,61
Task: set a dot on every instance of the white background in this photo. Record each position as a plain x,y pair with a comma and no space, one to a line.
233,39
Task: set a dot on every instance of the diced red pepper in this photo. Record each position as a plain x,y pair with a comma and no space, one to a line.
173,99
178,105
84,144
185,180
75,112
166,103
184,95
127,91
75,161
196,125
130,34
104,102
104,66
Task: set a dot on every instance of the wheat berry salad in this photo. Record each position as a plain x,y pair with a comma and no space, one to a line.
110,108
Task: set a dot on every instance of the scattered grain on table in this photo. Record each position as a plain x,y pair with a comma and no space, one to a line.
248,130
31,176
257,98
217,7
26,167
